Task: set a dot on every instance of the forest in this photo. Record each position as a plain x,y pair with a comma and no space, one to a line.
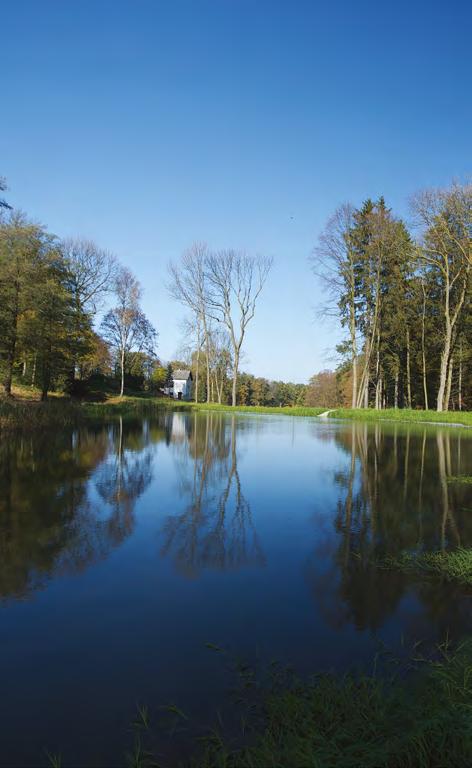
71,319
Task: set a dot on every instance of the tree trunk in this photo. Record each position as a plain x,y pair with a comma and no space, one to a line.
395,401
197,372
423,351
45,384
408,369
219,387
459,395
207,354
444,368
12,346
378,380
208,378
122,363
450,325
235,377
33,374
450,369
9,371
425,384
363,392
354,354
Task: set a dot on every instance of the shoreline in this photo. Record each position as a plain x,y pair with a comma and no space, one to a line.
19,413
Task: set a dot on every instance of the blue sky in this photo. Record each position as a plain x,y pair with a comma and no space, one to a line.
147,125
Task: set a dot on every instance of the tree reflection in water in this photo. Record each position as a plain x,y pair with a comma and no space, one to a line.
394,497
124,476
216,529
50,520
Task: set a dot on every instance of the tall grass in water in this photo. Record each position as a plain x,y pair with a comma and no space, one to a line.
418,720
418,716
23,415
455,565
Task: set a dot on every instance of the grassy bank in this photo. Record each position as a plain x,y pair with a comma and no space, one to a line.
30,414
405,415
26,412
128,404
262,409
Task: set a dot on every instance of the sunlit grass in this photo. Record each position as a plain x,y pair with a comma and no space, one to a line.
295,410
404,414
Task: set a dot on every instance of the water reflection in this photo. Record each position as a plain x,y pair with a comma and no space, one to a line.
227,501
394,496
124,476
51,518
216,528
68,498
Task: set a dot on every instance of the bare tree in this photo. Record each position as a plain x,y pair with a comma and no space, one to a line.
333,261
220,359
188,284
235,281
126,327
93,272
445,216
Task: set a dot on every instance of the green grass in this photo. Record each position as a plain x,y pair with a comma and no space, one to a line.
450,566
421,720
417,714
404,414
465,479
134,404
295,410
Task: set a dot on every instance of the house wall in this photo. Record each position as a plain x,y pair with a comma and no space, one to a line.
180,385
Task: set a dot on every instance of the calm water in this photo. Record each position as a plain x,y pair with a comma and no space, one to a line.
124,548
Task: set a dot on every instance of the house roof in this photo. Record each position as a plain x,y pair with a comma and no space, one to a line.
181,375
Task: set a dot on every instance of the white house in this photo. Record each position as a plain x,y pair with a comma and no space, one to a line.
182,389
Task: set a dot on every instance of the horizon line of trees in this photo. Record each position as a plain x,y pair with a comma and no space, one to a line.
70,313
250,389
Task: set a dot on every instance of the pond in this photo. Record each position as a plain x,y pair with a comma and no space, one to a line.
126,547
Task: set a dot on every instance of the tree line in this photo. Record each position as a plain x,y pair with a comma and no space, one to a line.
404,299
52,293
71,315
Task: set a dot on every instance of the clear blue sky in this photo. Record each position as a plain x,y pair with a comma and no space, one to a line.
146,125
